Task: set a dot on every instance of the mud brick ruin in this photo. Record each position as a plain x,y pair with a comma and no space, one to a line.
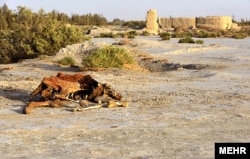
210,22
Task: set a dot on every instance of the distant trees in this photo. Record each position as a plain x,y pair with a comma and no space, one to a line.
117,21
244,22
135,24
88,19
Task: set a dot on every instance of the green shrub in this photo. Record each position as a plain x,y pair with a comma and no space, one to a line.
186,40
132,34
202,34
180,34
165,36
207,34
67,61
107,35
239,36
199,41
109,56
145,33
31,35
27,43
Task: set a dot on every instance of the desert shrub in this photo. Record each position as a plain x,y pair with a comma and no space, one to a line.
107,35
67,61
198,34
131,34
108,56
30,35
121,35
206,34
24,42
180,34
239,36
199,41
202,34
145,33
214,34
165,36
186,40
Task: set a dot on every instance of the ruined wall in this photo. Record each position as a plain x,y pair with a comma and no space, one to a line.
183,22
165,23
151,22
214,22
209,22
179,22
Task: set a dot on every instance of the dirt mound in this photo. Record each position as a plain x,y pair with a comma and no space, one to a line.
78,51
144,61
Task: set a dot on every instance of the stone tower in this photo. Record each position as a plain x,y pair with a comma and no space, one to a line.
151,22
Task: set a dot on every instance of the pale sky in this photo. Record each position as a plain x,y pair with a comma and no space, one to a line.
136,9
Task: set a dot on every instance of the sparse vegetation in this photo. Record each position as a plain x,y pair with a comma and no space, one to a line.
145,33
199,41
131,34
26,34
181,34
186,40
239,36
107,35
67,61
109,56
135,24
202,33
165,36
206,34
190,40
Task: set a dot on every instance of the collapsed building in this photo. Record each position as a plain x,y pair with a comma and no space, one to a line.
209,22
215,22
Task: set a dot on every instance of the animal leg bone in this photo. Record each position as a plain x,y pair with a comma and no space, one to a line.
31,105
80,109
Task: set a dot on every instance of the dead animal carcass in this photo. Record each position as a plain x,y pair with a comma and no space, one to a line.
77,88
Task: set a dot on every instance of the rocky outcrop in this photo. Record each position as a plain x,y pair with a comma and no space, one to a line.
151,22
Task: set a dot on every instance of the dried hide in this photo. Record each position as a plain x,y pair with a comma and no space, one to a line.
77,87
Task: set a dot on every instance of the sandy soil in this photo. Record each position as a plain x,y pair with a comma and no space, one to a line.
171,114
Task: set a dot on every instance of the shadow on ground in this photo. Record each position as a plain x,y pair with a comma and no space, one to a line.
161,66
